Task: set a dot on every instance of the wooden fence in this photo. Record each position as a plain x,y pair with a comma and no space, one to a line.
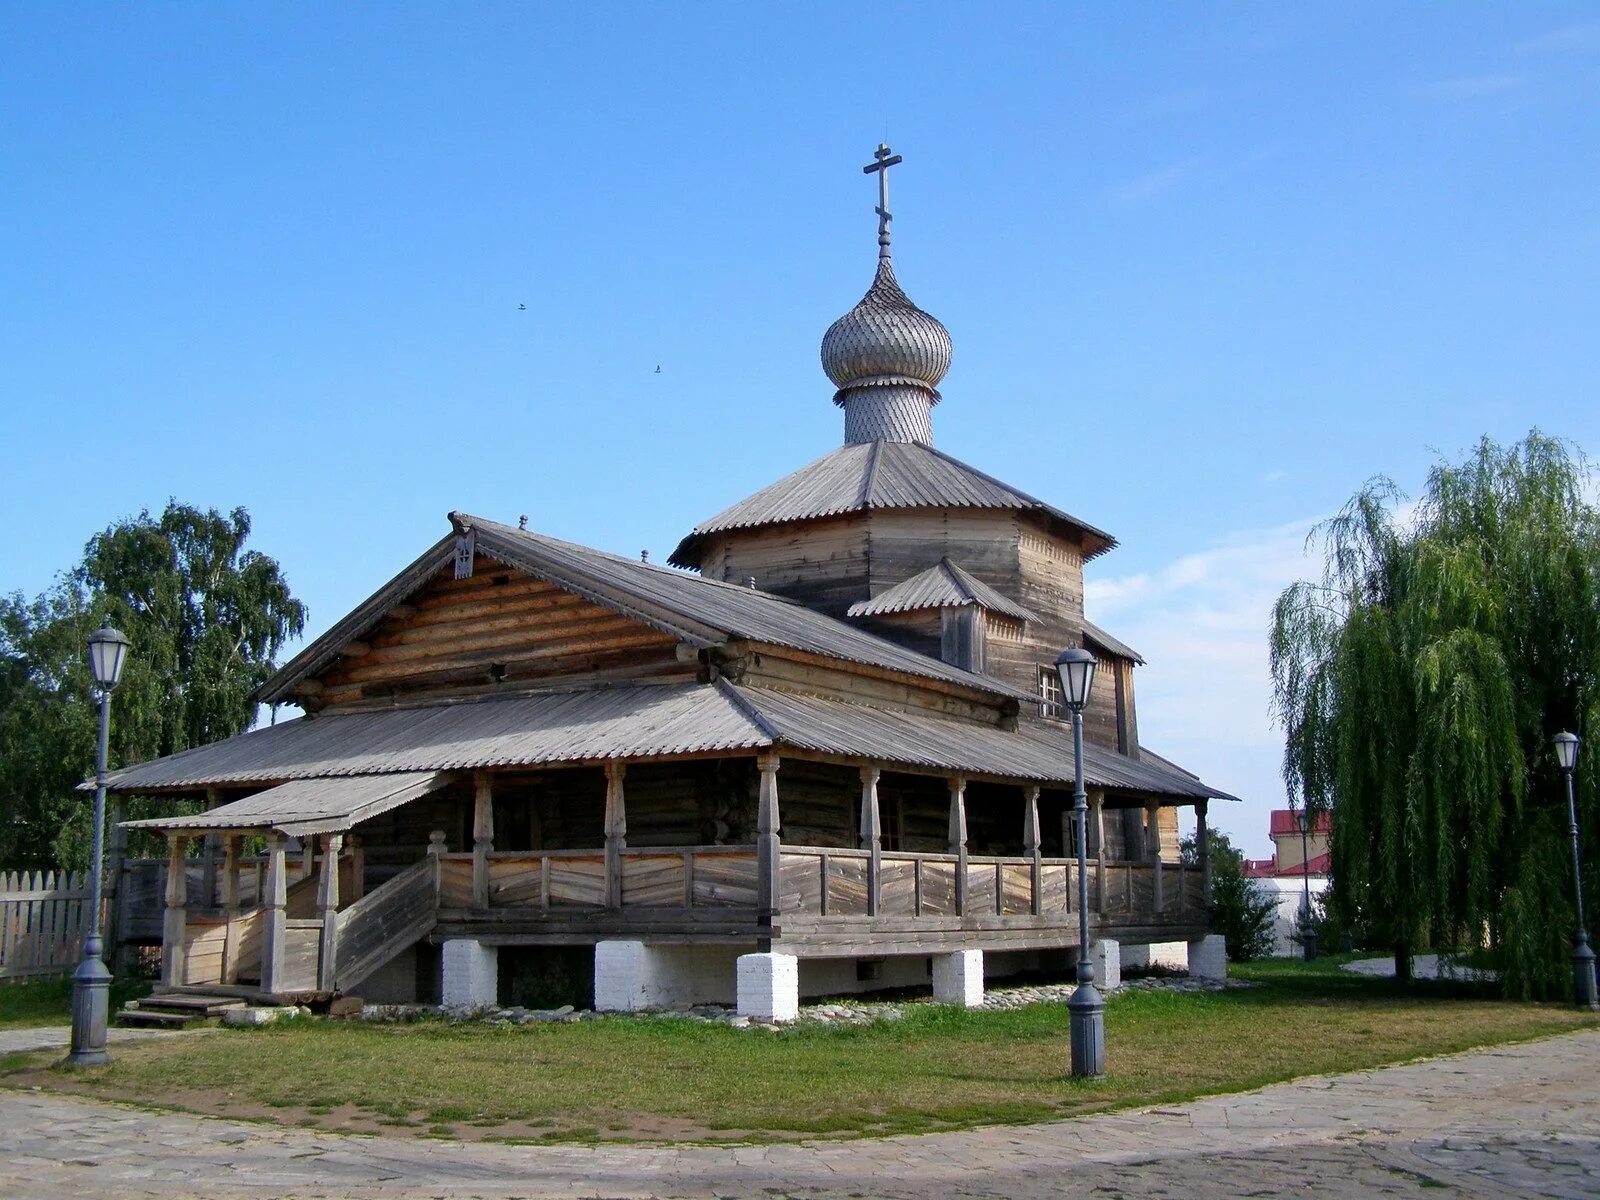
44,916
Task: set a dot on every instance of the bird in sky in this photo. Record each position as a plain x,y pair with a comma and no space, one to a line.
658,368
522,308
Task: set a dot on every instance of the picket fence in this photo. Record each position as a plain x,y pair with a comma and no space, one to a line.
44,916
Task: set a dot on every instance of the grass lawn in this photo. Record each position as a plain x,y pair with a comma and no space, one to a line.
672,1079
29,1003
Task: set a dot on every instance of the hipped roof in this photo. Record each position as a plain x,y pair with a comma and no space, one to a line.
649,721
868,475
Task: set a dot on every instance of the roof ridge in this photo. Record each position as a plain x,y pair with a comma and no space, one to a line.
870,476
748,710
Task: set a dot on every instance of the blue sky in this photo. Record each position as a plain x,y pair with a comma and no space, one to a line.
1206,268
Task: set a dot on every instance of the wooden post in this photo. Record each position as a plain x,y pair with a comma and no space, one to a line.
230,908
871,834
358,869
1097,822
483,836
208,857
616,832
1030,843
172,925
1203,845
308,857
273,919
958,838
328,909
118,952
1152,813
769,901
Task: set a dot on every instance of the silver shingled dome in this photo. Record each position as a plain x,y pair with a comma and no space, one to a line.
885,341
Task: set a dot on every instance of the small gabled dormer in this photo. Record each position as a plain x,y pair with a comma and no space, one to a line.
947,613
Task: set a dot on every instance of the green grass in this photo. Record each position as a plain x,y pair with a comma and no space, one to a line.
29,1003
939,1068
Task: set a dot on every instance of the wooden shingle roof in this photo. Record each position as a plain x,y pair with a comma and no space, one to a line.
880,475
618,723
943,585
700,612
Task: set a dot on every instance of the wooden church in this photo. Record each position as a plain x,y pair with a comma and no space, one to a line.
822,751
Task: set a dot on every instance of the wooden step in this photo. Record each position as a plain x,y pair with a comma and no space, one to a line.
159,1019
203,1005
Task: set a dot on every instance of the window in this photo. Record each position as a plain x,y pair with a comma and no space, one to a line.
1049,693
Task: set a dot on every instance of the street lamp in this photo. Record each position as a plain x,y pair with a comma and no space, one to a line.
1582,957
1308,932
1086,1009
91,982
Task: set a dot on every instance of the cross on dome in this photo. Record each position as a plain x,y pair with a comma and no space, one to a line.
883,160
886,356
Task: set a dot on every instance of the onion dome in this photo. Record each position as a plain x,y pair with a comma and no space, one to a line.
886,356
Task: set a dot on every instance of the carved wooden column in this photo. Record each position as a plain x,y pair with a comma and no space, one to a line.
328,909
1153,845
958,838
769,898
1097,822
172,925
273,918
871,834
483,837
1030,843
308,856
616,832
1203,848
230,908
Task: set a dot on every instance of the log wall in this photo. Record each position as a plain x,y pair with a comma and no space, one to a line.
496,629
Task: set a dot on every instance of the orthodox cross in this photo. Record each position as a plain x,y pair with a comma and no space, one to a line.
883,160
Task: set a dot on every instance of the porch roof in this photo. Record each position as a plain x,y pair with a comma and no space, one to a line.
307,806
653,721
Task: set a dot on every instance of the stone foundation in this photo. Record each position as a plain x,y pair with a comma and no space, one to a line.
958,978
469,974
769,987
1208,957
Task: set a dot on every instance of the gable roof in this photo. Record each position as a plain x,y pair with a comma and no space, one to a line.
943,585
1106,642
868,475
599,724
701,612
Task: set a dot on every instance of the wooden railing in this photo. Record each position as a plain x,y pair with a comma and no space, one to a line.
675,877
385,921
834,882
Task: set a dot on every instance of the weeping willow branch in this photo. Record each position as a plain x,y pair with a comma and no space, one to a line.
1418,685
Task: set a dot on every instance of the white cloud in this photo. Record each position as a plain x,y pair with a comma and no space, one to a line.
1201,623
1152,184
1581,38
1471,87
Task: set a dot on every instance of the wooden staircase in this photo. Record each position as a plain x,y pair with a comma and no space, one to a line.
176,1010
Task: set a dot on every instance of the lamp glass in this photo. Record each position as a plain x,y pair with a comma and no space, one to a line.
108,650
1075,667
1567,750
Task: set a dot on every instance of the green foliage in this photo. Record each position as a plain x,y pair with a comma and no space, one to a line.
1419,683
1242,911
206,618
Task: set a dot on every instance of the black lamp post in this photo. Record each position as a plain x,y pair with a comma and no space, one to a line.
1582,956
1086,1008
1308,931
91,982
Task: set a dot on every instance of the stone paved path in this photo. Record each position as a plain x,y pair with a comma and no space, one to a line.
47,1037
1521,1121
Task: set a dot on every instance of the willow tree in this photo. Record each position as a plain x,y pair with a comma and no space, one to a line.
206,617
1419,682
